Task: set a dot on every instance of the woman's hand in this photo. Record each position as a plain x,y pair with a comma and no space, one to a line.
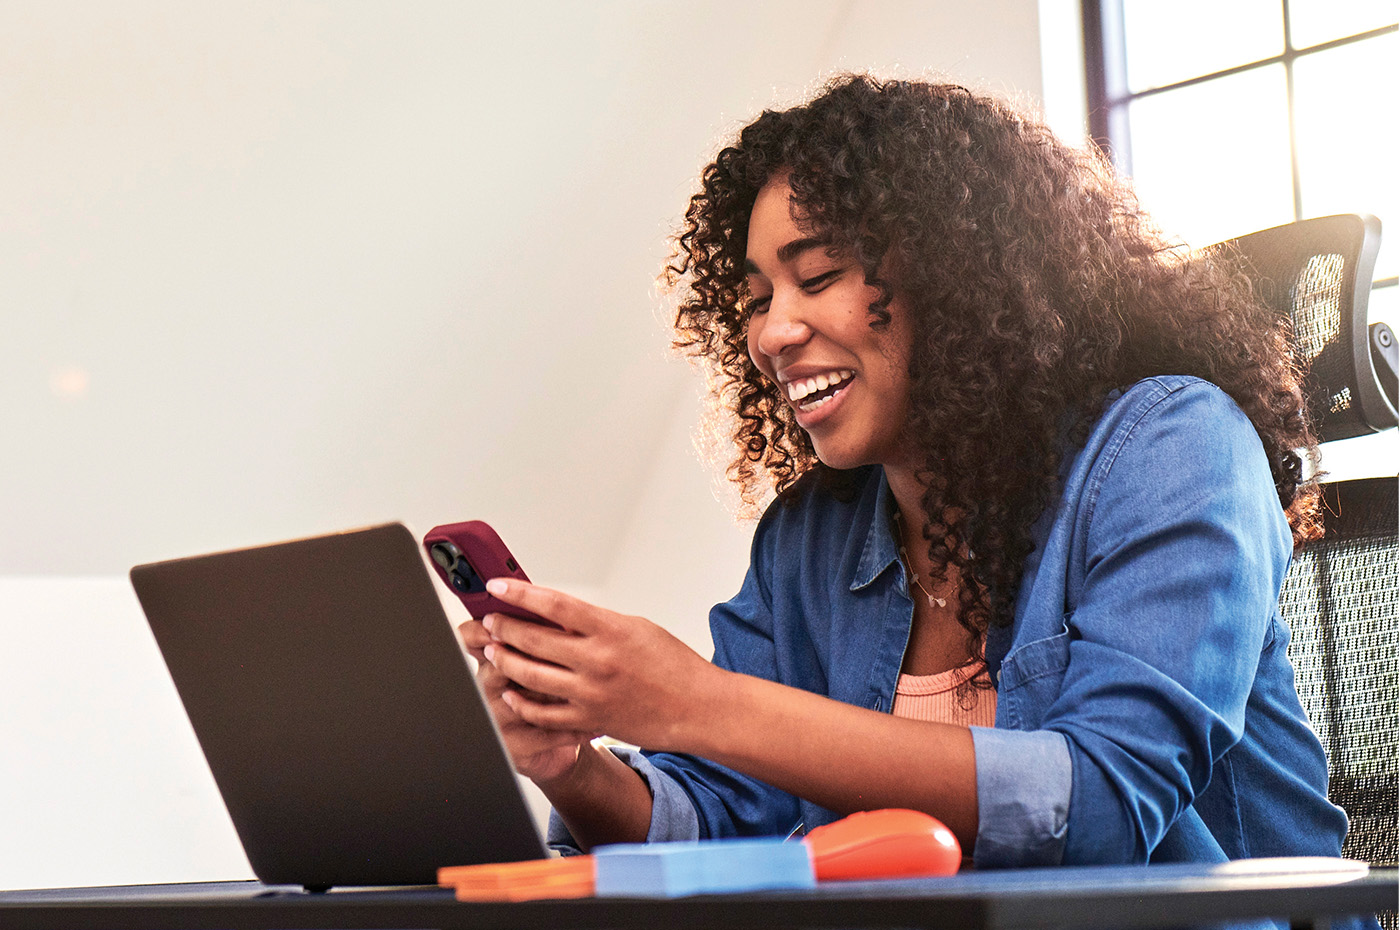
538,754
606,672
609,673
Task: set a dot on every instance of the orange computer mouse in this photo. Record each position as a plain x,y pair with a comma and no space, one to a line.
883,844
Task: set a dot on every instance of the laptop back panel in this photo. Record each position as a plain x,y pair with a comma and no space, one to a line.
337,711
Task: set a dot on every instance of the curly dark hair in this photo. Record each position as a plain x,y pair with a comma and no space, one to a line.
1036,285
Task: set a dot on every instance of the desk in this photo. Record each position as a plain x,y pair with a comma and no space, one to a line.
1302,890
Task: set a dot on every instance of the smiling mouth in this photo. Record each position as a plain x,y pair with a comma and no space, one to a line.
811,393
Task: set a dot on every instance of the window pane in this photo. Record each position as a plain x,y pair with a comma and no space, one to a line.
1314,21
1211,160
1169,42
1344,107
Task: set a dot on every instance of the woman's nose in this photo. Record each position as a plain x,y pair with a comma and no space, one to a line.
783,327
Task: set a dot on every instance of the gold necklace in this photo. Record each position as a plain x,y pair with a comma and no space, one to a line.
909,565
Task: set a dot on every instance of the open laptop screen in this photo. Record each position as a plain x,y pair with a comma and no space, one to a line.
337,710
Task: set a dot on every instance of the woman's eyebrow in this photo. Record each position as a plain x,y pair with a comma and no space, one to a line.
797,246
787,253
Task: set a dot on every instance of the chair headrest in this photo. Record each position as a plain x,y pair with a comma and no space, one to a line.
1318,271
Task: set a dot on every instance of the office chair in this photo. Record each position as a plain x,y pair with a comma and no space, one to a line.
1319,272
1339,597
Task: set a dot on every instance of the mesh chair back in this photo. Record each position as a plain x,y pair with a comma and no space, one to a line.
1318,271
1339,599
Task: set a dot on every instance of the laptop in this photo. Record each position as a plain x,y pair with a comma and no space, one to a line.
337,710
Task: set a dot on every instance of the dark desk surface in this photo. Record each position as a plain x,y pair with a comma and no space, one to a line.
1125,897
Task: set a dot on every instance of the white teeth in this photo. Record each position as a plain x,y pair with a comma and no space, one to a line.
800,389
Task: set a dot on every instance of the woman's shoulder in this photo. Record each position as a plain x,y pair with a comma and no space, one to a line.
1170,402
1156,388
1167,430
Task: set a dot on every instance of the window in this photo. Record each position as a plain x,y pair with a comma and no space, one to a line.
1237,115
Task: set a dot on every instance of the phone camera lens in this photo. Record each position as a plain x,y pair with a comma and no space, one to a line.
444,554
461,583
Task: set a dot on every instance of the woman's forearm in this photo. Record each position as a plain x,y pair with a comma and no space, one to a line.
601,800
843,757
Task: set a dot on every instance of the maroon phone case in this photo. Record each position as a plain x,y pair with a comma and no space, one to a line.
478,555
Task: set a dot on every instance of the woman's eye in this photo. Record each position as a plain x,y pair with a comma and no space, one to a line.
758,305
816,283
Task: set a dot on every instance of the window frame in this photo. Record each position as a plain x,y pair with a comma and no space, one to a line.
1108,96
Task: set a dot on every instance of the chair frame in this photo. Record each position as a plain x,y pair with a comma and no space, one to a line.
1271,255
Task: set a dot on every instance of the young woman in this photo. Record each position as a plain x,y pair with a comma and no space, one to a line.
1036,476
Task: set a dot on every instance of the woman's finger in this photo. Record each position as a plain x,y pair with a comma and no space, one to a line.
527,672
557,717
548,644
525,739
473,635
569,612
474,638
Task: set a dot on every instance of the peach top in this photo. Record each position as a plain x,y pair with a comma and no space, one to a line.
934,698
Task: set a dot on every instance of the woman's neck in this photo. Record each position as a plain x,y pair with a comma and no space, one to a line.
908,497
913,519
937,641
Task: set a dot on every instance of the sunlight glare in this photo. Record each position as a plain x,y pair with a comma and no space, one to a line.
1314,21
1346,144
1210,161
1169,42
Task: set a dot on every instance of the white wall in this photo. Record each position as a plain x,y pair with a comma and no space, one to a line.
270,269
102,780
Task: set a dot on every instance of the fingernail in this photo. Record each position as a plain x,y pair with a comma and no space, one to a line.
496,586
489,621
490,653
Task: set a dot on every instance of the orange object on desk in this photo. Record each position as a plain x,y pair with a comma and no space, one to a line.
891,843
570,877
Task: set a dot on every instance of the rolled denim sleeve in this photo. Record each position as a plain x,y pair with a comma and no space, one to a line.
1177,548
1023,792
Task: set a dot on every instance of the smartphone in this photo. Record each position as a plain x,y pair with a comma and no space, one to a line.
466,556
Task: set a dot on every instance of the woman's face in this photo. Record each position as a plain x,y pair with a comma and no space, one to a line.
809,332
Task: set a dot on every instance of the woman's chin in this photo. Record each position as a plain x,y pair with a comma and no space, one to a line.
840,459
847,456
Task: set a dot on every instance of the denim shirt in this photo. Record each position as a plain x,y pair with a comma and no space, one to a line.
1146,710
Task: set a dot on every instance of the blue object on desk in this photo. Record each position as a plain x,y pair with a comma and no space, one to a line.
669,870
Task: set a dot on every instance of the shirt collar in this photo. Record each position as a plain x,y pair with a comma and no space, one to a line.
880,550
